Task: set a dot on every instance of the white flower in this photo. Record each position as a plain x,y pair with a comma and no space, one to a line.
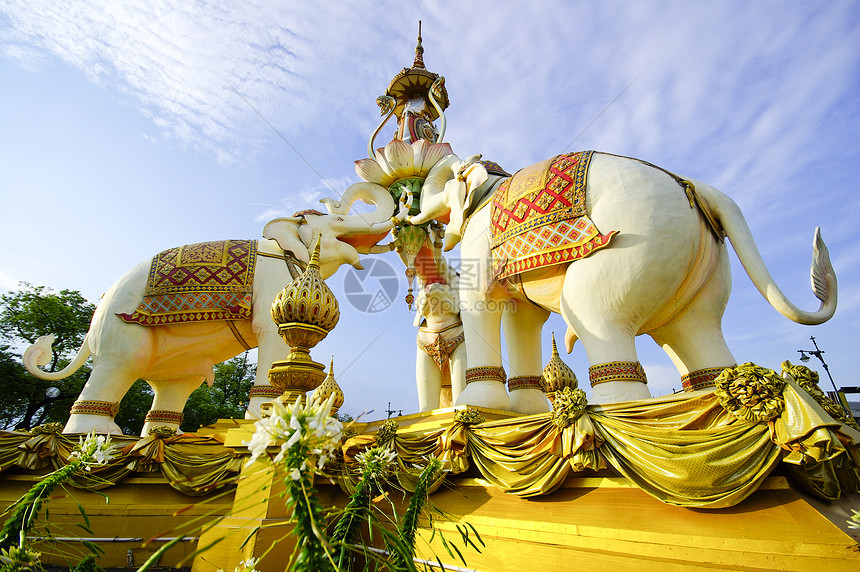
93,450
249,565
377,461
310,426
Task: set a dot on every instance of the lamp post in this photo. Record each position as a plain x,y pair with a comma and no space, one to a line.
817,352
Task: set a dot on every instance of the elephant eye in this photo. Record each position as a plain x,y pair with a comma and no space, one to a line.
340,219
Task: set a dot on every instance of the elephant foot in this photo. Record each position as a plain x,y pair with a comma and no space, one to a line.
84,423
162,418
615,391
529,401
254,404
150,425
485,393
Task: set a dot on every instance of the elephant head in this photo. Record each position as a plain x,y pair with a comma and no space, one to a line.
446,192
343,236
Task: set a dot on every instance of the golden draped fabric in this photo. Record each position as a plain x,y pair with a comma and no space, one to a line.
707,449
190,464
684,449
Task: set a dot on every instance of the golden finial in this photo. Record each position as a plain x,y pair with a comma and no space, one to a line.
315,256
329,386
557,375
305,312
419,51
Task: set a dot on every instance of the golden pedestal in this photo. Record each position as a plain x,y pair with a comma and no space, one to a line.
600,520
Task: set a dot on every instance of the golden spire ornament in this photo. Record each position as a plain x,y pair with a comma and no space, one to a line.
557,375
305,312
416,97
328,388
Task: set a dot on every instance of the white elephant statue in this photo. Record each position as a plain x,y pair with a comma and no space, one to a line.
535,244
175,358
440,363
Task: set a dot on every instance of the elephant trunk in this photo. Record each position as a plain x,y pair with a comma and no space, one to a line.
369,193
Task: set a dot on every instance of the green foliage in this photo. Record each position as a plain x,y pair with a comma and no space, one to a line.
134,407
35,311
409,524
88,564
26,315
375,465
226,399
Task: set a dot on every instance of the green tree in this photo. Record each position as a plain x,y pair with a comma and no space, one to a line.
134,407
35,311
226,399
25,315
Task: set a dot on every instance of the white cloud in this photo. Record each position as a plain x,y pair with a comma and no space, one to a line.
310,196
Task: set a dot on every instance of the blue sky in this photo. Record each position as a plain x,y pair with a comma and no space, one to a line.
122,133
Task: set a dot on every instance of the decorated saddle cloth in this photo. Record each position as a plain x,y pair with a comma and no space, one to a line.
198,283
538,217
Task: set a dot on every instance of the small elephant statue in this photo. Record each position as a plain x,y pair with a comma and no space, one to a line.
440,363
176,355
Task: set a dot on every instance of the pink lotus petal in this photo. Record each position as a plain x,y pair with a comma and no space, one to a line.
382,162
419,150
370,171
399,155
434,154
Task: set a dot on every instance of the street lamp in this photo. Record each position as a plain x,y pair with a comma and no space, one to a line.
804,357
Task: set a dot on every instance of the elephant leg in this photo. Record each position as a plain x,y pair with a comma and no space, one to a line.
522,325
428,377
694,338
271,349
607,336
170,398
107,385
457,368
482,320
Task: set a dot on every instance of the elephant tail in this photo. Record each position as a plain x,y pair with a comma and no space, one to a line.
39,354
822,274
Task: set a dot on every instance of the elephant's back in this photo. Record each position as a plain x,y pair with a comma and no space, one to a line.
659,238
633,197
124,296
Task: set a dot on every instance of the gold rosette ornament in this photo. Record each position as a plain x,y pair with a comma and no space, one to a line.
751,393
571,434
568,405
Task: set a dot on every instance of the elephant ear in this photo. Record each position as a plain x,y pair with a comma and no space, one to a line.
476,175
285,231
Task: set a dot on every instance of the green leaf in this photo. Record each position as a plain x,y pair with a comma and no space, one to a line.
94,548
83,514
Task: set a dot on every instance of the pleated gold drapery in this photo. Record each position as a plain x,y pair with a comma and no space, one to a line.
191,464
708,449
684,449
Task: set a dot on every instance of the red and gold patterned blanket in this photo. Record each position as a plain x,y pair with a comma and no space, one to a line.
198,283
539,219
